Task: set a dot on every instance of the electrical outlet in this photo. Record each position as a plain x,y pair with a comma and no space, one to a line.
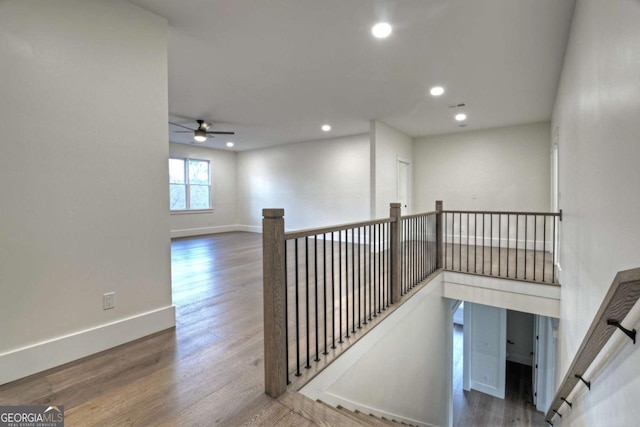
109,301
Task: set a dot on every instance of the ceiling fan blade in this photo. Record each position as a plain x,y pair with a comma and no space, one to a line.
178,124
216,132
182,131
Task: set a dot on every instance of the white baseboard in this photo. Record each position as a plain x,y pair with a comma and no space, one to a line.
189,232
335,401
250,228
48,354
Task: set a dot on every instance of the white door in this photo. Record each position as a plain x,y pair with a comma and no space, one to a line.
488,348
404,184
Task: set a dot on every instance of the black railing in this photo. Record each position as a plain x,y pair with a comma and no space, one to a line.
323,286
518,245
419,249
338,279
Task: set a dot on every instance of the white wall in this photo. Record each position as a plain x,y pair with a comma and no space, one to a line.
83,162
318,183
223,188
596,112
494,169
387,145
401,369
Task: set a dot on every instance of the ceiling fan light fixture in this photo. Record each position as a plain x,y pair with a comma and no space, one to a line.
200,135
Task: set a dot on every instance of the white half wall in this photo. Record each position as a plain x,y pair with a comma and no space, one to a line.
317,183
223,217
402,369
83,162
596,114
494,169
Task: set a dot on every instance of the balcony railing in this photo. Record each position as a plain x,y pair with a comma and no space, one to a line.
518,245
323,287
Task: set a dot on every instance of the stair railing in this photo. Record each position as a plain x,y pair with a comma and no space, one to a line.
621,297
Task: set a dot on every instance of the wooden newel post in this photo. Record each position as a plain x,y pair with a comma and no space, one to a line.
439,231
395,235
273,250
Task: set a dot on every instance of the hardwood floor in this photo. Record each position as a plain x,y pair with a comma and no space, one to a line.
472,408
207,371
516,264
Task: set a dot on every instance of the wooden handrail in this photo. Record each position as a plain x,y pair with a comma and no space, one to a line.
622,296
419,215
559,214
299,234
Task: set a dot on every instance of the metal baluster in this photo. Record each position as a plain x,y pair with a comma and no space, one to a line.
376,273
286,309
315,292
468,242
359,246
324,280
553,253
353,280
340,285
460,242
508,237
475,242
306,266
517,232
346,280
333,291
483,251
526,222
535,244
297,313
544,250
491,215
499,244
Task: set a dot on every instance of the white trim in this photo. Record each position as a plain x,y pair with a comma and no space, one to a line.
35,358
335,401
250,228
188,232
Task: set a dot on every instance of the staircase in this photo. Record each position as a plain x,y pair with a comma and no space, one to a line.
293,408
366,419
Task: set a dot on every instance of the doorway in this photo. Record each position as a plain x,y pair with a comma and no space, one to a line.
404,185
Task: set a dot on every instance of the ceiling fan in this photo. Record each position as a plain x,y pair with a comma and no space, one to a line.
202,132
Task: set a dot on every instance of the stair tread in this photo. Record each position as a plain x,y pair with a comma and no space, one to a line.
318,413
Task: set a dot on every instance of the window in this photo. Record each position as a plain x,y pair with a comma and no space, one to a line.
189,184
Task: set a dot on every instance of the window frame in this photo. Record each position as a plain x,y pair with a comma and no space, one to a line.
187,186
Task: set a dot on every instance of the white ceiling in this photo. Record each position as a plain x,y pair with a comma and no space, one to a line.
276,70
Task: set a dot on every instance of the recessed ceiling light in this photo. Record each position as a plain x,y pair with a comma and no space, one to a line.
381,30
461,117
326,128
229,144
437,90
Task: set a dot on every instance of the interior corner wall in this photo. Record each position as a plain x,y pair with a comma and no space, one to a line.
596,114
402,369
318,183
223,193
83,162
504,168
389,145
